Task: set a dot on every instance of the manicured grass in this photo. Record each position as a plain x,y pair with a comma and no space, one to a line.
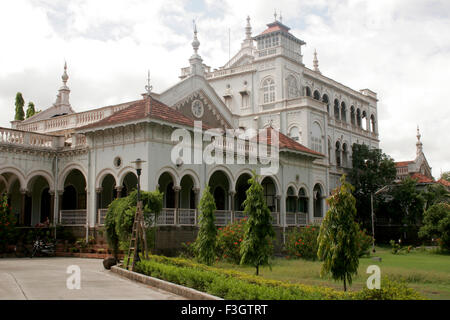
428,273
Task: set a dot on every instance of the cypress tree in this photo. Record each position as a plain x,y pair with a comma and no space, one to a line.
30,110
338,247
256,247
205,244
20,114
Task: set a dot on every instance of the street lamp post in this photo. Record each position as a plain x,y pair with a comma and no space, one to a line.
138,165
371,209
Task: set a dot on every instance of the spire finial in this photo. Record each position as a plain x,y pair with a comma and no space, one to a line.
275,14
418,143
195,42
65,77
248,29
316,62
281,18
148,87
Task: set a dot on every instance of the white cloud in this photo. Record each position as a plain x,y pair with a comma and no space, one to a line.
400,49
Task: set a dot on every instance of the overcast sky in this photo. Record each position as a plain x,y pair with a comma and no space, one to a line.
399,49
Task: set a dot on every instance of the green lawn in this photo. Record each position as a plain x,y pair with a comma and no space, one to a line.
428,273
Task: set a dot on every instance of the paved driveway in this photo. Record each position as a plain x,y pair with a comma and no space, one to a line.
45,278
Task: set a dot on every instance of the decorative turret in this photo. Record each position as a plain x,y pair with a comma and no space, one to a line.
418,143
316,62
62,98
248,41
195,60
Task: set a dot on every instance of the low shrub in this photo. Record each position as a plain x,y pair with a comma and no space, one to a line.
235,285
229,240
364,243
302,243
7,222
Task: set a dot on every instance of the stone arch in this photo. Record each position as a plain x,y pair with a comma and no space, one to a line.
102,174
172,172
293,186
43,173
20,176
65,172
275,181
227,172
193,176
292,86
316,94
123,173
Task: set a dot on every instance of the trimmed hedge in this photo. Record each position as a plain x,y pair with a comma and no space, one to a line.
235,285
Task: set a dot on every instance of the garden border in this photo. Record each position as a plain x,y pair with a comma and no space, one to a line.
188,293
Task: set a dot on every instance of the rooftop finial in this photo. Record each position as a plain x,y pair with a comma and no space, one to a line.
65,77
248,29
275,14
316,62
418,143
148,87
281,18
195,42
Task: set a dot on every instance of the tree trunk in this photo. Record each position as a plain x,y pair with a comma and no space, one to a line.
345,284
257,270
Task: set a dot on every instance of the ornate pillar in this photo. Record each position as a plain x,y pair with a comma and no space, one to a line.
176,189
119,190
98,196
52,206
60,201
23,192
232,193
196,193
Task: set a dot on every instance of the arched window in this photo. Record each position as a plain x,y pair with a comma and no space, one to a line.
358,118
372,123
219,197
352,115
302,201
316,138
307,91
344,155
327,101
317,200
338,154
268,90
343,112
336,109
316,95
364,121
292,87
295,133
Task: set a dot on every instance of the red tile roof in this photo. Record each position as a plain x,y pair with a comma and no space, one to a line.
287,143
402,163
444,182
151,108
421,178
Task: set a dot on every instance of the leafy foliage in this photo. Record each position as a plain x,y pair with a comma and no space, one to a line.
235,285
436,224
256,247
338,246
407,203
120,216
30,110
205,244
364,242
446,176
229,239
371,170
302,242
7,222
435,193
20,114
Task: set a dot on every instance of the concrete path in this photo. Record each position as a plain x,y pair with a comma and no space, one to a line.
45,278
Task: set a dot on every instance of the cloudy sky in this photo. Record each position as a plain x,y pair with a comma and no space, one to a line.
397,48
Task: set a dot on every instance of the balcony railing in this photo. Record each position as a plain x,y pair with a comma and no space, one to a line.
166,217
187,217
101,216
30,139
73,217
317,220
223,217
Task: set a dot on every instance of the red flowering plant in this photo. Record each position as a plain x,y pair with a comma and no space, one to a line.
7,222
229,239
302,243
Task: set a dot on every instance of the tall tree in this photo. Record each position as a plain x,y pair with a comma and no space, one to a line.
20,114
205,244
435,193
256,246
30,110
371,170
407,203
436,224
338,236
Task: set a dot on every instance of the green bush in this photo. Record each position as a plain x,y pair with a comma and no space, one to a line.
364,242
229,239
302,243
436,225
235,285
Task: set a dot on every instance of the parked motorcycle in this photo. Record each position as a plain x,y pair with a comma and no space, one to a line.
42,247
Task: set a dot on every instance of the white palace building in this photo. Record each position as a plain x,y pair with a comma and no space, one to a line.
68,166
